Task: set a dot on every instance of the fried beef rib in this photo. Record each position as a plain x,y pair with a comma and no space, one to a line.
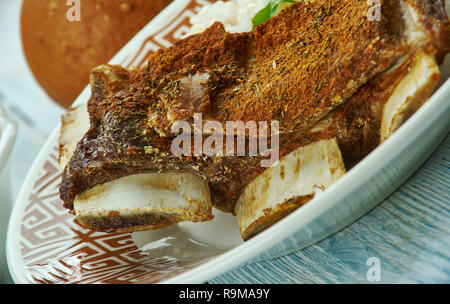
319,68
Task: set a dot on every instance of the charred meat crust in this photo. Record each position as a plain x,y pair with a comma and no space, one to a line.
295,68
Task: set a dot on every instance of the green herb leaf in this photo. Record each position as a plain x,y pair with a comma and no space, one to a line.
268,12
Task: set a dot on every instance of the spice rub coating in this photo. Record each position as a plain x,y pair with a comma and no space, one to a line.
296,68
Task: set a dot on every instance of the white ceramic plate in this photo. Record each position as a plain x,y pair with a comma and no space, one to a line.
46,245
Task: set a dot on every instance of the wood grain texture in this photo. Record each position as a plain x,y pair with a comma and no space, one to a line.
409,233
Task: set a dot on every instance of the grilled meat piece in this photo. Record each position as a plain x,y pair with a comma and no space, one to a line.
382,105
296,68
368,118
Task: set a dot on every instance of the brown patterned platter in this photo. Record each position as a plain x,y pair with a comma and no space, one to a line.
45,244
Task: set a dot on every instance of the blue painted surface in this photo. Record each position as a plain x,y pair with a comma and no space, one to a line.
409,233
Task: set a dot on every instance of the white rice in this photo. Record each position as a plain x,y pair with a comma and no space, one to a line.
235,15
